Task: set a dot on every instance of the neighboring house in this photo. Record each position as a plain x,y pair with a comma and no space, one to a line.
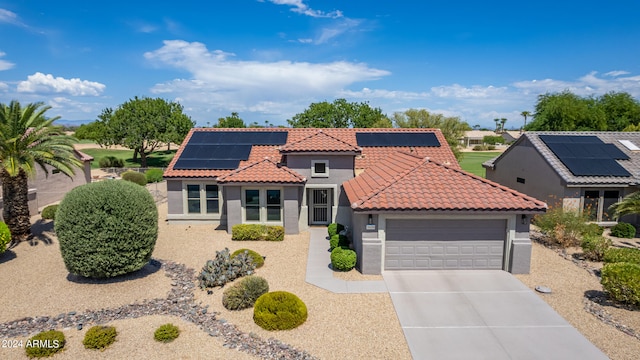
401,193
586,171
475,137
45,190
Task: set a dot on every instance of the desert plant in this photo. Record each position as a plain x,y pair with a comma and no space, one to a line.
244,294
99,337
623,230
5,236
592,229
343,259
49,212
110,161
564,228
45,344
338,241
166,333
154,175
595,246
279,310
224,269
244,232
106,228
620,280
334,229
134,177
275,233
258,260
622,255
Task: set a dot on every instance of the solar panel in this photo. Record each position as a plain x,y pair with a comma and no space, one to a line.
588,139
211,164
594,167
207,151
386,139
239,137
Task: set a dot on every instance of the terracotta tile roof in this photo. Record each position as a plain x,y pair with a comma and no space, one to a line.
83,156
320,141
263,171
370,155
407,182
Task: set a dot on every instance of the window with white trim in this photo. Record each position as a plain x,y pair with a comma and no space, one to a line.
320,168
202,199
262,205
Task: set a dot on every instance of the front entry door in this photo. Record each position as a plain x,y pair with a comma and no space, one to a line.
320,206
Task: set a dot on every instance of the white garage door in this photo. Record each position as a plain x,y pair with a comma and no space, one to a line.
444,244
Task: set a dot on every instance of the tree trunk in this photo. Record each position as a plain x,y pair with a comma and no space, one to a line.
15,192
143,159
169,146
135,154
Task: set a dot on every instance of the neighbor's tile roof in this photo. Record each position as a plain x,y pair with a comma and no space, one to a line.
632,165
407,182
319,141
263,171
370,155
83,156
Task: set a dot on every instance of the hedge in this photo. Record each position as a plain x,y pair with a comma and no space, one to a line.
244,232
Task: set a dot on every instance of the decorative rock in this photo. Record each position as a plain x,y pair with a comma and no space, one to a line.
79,327
543,289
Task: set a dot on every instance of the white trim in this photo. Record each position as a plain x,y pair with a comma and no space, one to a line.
262,203
203,199
313,168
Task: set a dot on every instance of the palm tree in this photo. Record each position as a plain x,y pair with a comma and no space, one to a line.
525,114
629,205
502,122
28,138
497,124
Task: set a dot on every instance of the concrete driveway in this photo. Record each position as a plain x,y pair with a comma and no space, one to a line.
477,314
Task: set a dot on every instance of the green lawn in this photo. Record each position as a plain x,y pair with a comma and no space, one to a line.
472,161
159,158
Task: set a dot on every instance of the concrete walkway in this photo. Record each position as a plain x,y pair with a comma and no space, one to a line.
320,274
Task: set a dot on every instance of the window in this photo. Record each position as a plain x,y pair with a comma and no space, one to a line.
202,194
320,168
520,180
263,205
596,204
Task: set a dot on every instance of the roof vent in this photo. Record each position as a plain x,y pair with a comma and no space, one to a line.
629,145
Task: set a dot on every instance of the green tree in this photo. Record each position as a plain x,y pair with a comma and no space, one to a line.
452,127
95,131
27,138
621,110
525,115
502,122
233,121
566,111
339,114
141,124
629,205
497,124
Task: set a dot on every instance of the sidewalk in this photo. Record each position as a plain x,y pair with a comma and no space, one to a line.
320,274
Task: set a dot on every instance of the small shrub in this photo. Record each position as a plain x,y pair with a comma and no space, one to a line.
592,229
5,236
244,294
338,241
135,177
45,344
99,337
623,230
343,259
253,232
595,246
166,333
622,255
491,147
49,212
275,233
279,310
564,228
110,161
334,229
257,259
620,280
224,269
154,175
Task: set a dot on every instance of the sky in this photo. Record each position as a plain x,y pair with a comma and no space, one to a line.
268,60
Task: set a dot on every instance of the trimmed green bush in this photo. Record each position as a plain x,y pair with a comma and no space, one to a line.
623,230
107,228
5,236
258,260
343,259
244,294
99,337
253,232
595,246
279,310
135,177
154,175
111,161
334,229
622,255
49,212
338,241
620,280
166,333
224,269
45,344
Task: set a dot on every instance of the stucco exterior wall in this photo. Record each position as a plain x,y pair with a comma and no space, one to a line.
340,170
53,188
291,209
233,199
174,197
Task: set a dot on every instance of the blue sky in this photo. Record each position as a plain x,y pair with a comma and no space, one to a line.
270,59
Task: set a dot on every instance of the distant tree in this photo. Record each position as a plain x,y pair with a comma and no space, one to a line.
492,139
27,138
566,111
452,127
233,121
631,128
621,110
94,131
476,127
525,115
502,122
339,114
497,124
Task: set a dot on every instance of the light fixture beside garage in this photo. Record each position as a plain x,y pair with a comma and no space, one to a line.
524,218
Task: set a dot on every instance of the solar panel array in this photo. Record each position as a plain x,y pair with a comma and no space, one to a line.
387,139
223,150
587,155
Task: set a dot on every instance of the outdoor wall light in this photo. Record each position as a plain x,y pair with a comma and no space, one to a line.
370,222
524,218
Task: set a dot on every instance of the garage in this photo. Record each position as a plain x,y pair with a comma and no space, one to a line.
430,244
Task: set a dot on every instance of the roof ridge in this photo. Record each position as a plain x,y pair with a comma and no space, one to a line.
355,147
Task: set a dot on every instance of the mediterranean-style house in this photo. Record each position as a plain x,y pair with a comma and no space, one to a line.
585,171
401,193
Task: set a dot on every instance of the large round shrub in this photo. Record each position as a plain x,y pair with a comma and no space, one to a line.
622,255
257,258
49,212
620,280
106,228
5,236
623,230
134,177
154,175
279,310
343,259
244,293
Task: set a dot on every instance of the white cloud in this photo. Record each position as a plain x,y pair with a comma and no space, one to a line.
5,65
331,32
71,106
47,84
9,17
616,73
298,6
589,84
4,86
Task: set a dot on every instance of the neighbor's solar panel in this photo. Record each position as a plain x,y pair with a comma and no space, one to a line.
239,137
210,164
207,151
396,139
